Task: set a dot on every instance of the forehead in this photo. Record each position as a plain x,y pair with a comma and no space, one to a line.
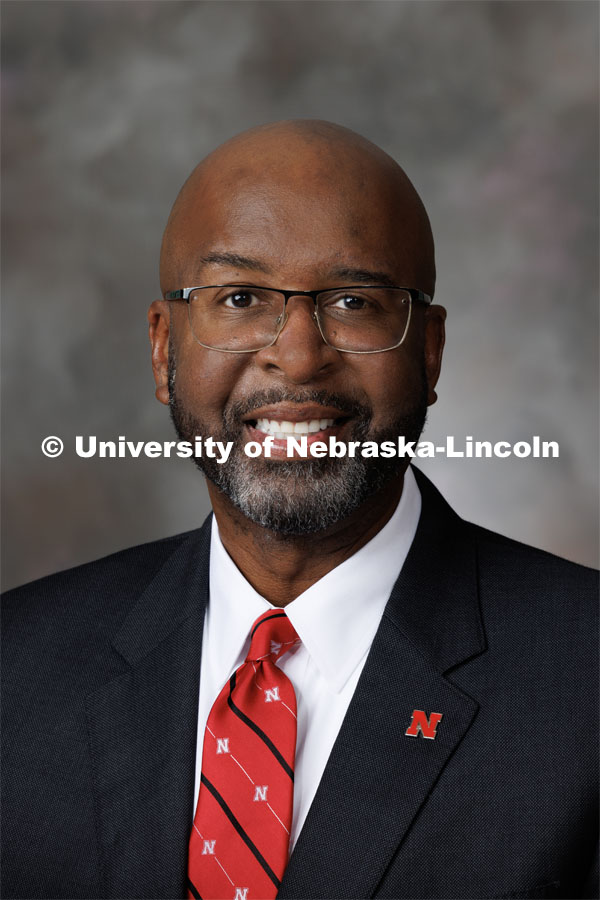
298,225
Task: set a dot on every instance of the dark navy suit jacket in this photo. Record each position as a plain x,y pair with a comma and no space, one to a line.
101,671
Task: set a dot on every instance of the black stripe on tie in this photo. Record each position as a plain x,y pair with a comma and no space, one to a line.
241,831
264,737
279,615
193,890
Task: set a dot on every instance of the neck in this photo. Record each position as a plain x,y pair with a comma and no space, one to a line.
280,567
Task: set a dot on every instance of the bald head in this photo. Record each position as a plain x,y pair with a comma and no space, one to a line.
291,179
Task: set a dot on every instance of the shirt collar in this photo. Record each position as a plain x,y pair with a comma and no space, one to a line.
233,607
336,618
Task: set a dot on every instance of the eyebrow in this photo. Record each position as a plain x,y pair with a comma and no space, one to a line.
236,260
362,276
349,274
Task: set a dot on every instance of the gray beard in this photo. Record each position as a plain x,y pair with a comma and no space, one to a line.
298,497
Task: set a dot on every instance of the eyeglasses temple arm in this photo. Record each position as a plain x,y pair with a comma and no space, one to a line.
420,296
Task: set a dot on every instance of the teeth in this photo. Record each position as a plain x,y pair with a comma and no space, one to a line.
283,429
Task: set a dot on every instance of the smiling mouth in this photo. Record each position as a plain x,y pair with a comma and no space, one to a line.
292,426
284,429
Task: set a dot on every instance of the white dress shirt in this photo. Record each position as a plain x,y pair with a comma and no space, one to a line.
336,620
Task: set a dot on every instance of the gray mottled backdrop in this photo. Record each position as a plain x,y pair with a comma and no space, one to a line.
490,106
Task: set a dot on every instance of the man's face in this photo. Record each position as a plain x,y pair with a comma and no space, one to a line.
278,233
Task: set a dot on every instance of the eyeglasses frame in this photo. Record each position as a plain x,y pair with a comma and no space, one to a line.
416,296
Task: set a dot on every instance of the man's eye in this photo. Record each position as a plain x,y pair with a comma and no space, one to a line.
241,300
351,302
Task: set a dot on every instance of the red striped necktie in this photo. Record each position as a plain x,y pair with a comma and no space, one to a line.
239,844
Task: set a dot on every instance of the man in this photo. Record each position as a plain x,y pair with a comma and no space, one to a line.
335,688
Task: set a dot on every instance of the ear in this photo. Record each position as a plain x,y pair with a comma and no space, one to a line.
435,336
159,326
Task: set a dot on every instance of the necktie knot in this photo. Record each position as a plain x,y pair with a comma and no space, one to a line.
272,635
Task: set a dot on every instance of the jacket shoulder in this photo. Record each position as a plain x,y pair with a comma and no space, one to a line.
112,583
520,589
540,603
503,558
521,561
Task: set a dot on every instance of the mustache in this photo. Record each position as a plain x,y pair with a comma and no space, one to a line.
348,406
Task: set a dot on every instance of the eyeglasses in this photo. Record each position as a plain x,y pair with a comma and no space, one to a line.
244,318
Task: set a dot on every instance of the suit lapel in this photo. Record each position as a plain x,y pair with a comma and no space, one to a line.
142,731
378,778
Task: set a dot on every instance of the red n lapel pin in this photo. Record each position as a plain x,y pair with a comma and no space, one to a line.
420,724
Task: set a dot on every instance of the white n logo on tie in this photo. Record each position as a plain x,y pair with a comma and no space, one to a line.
222,745
260,791
240,893
208,848
272,694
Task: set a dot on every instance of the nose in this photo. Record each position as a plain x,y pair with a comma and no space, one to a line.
299,353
